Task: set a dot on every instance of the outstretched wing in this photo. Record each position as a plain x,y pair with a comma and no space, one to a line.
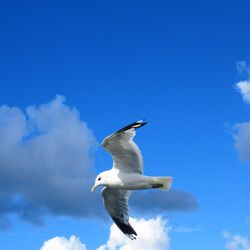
116,203
125,153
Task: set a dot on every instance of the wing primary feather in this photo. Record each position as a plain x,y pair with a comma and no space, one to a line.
134,125
127,229
116,203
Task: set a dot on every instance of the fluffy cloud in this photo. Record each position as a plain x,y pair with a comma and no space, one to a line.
152,234
244,86
45,162
61,243
236,242
242,140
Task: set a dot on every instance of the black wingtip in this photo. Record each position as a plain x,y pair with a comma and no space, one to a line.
134,125
127,229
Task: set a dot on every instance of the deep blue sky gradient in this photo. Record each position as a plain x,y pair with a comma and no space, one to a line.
171,62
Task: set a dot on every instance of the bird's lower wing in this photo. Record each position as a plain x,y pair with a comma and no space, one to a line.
116,203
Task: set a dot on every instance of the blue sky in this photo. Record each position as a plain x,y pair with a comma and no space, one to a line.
115,62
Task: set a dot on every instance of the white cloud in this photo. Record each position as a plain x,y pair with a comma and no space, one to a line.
152,234
244,88
236,242
61,243
242,140
46,162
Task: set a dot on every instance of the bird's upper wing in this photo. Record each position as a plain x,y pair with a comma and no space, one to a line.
116,203
125,153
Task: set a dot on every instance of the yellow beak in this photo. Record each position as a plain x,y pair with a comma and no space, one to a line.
93,188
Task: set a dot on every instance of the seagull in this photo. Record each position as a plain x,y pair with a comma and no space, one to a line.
125,175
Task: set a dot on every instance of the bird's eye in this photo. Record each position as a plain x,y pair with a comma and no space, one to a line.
99,178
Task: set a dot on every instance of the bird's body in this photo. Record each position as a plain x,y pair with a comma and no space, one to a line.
125,175
133,181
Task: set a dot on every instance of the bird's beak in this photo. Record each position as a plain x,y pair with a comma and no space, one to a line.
93,188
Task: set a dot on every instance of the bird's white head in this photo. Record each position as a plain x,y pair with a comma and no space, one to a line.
101,180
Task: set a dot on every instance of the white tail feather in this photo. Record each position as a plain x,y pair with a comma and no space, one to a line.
163,183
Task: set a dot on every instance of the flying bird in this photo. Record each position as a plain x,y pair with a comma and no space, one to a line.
125,175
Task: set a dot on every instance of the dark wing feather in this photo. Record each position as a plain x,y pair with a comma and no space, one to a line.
116,203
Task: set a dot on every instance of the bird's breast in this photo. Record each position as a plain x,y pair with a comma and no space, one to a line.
132,181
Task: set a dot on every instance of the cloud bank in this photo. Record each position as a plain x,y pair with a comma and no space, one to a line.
152,234
236,242
45,162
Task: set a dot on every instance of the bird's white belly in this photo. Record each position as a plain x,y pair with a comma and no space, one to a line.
132,181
